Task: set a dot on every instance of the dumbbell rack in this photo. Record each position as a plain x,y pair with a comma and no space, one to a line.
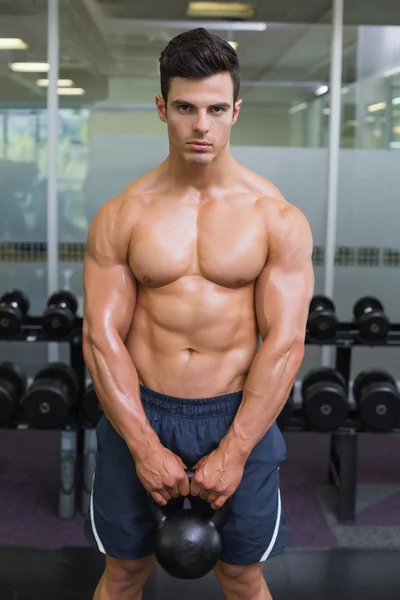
78,438
342,471
71,442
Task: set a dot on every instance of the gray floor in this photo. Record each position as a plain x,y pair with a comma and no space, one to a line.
72,574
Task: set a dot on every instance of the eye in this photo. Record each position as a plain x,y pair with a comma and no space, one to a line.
218,109
184,107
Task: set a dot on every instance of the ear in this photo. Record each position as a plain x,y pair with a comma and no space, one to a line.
236,111
161,108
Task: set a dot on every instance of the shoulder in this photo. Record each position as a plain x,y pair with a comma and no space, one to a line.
121,213
287,227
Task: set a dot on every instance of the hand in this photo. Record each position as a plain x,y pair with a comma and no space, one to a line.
216,478
162,473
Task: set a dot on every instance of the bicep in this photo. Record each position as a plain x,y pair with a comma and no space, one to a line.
285,287
109,298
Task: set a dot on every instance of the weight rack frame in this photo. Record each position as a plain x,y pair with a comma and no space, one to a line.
78,438
71,438
343,455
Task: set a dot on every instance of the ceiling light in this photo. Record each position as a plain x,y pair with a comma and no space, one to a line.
326,111
126,25
71,91
321,90
234,45
30,67
12,44
396,101
391,72
298,108
396,129
61,83
222,10
376,107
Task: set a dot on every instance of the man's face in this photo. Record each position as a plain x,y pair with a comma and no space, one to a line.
200,114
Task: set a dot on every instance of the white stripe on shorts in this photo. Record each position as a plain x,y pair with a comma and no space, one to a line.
275,534
96,535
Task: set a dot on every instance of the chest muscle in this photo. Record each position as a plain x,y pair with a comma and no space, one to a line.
224,244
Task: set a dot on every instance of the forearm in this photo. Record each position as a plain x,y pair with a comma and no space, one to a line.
268,385
117,386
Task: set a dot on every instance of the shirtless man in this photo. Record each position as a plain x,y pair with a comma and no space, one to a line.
184,270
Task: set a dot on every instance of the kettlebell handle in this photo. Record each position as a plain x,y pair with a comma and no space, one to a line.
157,513
221,515
218,519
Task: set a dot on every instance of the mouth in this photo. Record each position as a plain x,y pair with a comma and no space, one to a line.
199,146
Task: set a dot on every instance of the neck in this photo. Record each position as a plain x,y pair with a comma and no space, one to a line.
201,177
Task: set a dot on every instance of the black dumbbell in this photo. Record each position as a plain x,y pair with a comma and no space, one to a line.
325,404
378,400
92,409
287,412
371,320
48,401
14,306
12,387
322,320
59,317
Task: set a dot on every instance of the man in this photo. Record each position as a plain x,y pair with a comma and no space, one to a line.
184,270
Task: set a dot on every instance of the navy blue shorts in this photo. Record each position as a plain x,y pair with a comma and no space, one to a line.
118,523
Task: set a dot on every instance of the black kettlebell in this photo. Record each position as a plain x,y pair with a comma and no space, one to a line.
187,540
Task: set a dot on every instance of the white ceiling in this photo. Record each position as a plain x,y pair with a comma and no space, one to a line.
102,40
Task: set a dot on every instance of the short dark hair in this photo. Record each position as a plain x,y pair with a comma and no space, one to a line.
196,54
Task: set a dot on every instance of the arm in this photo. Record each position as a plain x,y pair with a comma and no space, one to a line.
282,297
109,304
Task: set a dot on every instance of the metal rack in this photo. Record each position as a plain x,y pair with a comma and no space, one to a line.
342,472
71,438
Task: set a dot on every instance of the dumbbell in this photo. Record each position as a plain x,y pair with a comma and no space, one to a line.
12,387
92,409
324,393
322,320
286,413
59,316
48,401
378,400
14,306
371,319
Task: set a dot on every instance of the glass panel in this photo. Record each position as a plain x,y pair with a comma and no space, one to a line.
23,166
368,208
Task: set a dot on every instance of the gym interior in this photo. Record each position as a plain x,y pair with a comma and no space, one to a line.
321,120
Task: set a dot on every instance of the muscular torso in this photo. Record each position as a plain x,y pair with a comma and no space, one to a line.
196,258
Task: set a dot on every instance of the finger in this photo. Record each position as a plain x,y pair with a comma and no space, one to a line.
213,497
164,493
173,491
182,464
219,502
195,488
158,498
204,494
184,487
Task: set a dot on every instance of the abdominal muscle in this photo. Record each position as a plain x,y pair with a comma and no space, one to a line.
193,338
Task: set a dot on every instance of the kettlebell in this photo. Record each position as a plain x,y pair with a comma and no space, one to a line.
187,540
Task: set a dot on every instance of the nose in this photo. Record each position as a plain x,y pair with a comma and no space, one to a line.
201,124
